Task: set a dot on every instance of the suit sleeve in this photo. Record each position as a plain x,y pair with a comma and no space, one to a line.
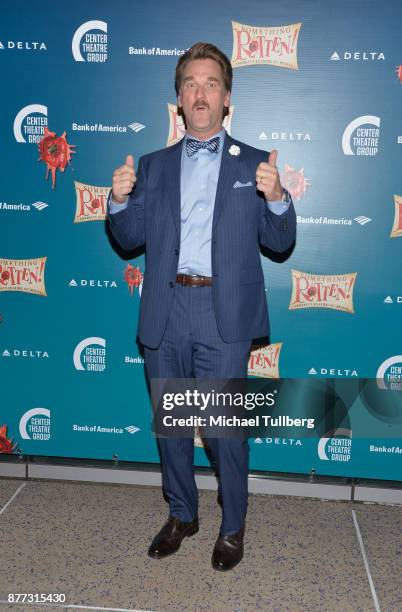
128,225
277,232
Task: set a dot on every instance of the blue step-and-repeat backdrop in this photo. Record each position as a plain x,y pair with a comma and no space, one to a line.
86,83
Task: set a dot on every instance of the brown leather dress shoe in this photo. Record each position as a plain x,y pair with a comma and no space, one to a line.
169,538
228,551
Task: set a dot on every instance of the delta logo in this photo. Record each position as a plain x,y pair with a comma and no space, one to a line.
269,45
24,275
22,45
358,56
334,291
396,231
264,360
177,129
91,202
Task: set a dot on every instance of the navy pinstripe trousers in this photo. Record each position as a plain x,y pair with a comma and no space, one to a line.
192,348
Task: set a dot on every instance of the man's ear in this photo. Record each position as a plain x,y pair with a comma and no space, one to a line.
226,100
178,101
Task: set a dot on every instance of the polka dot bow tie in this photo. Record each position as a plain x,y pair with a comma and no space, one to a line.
193,146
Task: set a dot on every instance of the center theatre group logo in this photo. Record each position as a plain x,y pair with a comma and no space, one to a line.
273,45
336,446
177,128
365,139
90,355
25,275
389,374
27,125
35,424
91,204
264,360
333,291
92,45
397,226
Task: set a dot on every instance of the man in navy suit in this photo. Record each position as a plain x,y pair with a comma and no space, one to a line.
202,208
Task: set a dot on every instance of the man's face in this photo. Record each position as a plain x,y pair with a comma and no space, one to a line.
202,96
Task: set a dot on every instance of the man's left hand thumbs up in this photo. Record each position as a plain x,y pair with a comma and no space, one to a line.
267,178
272,158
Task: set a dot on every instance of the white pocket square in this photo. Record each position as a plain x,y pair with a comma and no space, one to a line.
239,184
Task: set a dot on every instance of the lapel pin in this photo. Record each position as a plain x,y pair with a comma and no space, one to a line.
234,150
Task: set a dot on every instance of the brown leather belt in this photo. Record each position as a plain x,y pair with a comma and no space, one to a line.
193,281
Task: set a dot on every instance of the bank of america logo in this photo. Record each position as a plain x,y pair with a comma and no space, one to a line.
362,220
132,429
136,127
40,205
335,57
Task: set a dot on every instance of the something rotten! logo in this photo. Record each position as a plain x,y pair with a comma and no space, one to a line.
272,45
6,444
264,360
26,275
333,291
294,181
91,202
396,231
55,152
134,278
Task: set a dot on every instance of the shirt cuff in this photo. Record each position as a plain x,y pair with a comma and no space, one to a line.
114,207
278,208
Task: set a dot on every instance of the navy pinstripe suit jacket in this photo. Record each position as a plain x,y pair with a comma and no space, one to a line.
241,222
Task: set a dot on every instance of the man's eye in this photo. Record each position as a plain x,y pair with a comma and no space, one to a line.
211,85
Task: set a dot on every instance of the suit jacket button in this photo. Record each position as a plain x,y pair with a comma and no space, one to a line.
171,284
176,251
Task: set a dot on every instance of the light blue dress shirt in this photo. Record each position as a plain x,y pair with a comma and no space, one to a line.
199,179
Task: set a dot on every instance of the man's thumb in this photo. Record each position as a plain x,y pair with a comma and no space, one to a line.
272,157
130,161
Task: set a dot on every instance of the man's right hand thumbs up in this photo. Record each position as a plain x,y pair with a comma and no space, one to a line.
124,179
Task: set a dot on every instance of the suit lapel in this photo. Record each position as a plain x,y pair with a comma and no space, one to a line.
227,174
172,180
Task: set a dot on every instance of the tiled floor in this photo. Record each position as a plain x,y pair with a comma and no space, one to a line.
90,541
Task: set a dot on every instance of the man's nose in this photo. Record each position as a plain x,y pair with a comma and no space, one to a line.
200,91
